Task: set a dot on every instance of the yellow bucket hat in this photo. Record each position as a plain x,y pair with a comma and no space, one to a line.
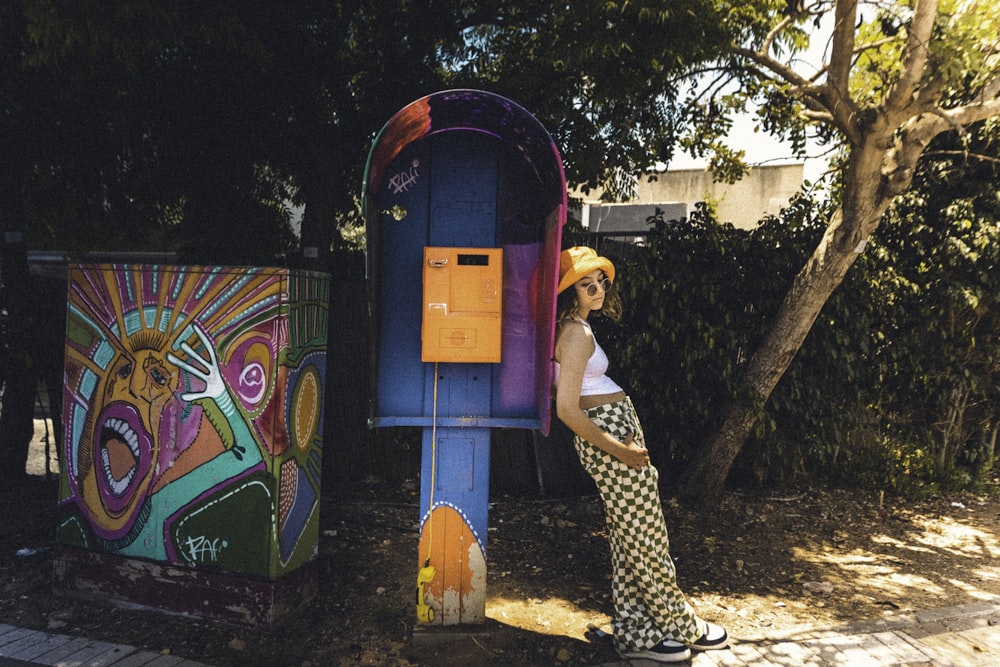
576,262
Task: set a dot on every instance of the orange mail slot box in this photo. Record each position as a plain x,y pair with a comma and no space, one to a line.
463,290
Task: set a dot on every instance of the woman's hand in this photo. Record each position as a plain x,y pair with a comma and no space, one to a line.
634,455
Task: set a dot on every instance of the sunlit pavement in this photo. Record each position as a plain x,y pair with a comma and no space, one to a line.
31,647
964,636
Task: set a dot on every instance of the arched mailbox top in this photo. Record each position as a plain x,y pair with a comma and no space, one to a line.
471,111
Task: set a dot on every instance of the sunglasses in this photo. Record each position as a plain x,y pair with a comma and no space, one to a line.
591,289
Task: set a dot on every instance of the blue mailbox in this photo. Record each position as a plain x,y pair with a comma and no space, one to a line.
465,199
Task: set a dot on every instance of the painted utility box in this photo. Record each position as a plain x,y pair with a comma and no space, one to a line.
465,199
191,463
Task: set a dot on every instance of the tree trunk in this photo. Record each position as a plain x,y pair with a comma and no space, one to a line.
864,201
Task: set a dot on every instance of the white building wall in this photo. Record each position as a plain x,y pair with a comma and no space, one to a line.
765,190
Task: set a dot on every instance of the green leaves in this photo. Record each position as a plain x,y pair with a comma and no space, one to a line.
896,385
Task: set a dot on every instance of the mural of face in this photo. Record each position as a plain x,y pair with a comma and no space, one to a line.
120,443
192,412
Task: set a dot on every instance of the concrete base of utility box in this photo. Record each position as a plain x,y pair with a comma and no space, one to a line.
219,596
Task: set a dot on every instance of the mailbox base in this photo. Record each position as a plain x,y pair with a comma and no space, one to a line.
166,588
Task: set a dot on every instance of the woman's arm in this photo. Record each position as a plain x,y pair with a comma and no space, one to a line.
574,346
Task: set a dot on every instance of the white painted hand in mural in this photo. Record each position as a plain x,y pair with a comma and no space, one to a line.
215,387
215,390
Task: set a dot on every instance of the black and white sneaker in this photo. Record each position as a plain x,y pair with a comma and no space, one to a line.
715,637
666,651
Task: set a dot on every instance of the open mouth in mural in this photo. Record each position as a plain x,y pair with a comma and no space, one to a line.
119,454
124,454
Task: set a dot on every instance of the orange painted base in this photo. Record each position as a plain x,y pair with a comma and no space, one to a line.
457,593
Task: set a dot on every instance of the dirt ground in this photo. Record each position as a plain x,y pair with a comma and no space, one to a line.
763,566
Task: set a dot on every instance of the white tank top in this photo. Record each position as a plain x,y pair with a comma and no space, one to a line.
595,380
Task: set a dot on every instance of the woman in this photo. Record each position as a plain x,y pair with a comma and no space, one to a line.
653,619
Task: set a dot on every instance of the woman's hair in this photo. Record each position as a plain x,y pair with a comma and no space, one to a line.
567,303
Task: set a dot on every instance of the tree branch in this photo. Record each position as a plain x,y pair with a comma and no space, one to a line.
836,92
966,155
915,56
774,65
765,47
814,97
819,116
973,113
916,134
842,49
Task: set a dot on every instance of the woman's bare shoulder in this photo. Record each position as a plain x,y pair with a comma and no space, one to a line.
574,334
572,328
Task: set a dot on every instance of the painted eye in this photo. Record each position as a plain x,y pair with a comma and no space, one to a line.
125,371
158,377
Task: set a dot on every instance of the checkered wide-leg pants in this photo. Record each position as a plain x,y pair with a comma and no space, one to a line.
649,606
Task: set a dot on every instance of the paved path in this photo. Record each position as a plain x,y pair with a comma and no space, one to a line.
965,636
24,648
